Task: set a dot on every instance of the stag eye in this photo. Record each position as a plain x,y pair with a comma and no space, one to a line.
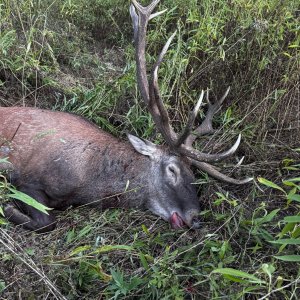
172,170
173,173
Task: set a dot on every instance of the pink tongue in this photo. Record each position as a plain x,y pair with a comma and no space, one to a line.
176,221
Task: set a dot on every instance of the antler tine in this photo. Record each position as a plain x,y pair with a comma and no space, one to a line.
206,126
205,157
191,120
157,14
147,10
135,21
240,162
211,170
155,98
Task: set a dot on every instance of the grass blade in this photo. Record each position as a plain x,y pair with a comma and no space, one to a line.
292,258
238,273
270,184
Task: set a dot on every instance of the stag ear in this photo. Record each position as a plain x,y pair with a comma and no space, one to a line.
142,146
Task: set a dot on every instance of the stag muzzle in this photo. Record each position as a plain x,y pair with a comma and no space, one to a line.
191,219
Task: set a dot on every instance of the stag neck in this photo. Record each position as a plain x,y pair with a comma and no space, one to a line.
119,177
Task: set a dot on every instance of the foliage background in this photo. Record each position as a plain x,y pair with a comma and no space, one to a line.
77,56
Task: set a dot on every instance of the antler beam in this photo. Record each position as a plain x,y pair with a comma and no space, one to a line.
182,143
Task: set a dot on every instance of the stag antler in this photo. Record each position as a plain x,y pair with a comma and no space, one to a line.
182,143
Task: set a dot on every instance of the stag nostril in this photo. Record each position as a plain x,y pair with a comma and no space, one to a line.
196,223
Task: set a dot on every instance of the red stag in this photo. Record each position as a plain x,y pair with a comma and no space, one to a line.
61,159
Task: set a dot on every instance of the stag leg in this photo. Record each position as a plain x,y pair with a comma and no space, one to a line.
29,217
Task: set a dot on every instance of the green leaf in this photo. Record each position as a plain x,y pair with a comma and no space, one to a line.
70,236
2,285
295,197
269,217
270,184
287,228
4,160
268,269
296,233
1,211
238,273
28,200
286,241
292,191
80,249
287,54
84,231
289,183
292,219
3,222
144,261
30,251
134,283
145,229
118,277
292,258
235,279
291,168
108,248
296,179
265,234
293,46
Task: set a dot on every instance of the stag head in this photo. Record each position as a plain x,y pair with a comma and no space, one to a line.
171,193
174,160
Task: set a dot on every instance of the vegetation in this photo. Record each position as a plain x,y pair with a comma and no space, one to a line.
77,56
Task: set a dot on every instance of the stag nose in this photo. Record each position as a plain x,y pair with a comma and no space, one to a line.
196,223
192,218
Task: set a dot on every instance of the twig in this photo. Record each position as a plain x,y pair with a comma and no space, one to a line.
279,289
14,248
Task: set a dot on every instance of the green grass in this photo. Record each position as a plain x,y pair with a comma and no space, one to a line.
78,56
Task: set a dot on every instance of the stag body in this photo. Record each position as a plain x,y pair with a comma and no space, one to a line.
61,160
